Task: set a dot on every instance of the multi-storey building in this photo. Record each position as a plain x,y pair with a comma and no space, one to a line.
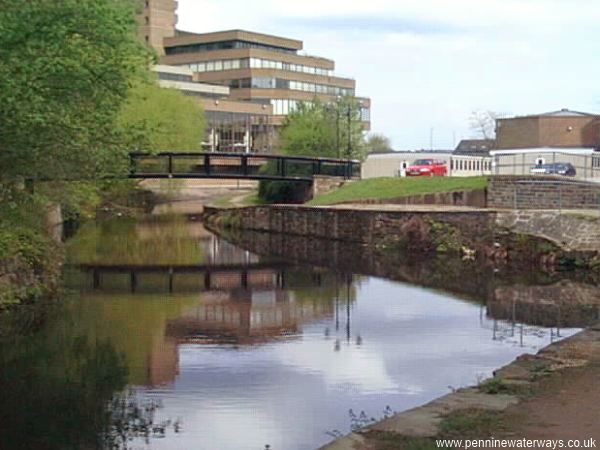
256,79
157,20
559,129
261,69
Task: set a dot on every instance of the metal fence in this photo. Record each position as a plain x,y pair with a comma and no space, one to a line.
587,167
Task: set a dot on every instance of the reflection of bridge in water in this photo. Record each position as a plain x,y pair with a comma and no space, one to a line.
192,278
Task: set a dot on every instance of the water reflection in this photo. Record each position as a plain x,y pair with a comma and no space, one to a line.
56,383
268,343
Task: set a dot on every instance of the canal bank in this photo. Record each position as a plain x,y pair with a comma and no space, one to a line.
521,397
546,237
551,395
216,335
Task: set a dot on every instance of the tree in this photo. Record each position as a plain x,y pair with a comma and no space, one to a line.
315,129
483,124
378,143
326,130
159,119
66,68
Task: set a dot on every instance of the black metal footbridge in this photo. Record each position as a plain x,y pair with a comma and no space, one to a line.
252,166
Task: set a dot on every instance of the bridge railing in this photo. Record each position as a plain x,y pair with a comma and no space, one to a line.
238,165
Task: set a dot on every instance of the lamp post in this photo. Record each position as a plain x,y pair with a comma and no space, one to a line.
350,112
214,129
268,128
349,150
337,125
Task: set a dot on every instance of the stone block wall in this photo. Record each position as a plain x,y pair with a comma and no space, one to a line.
467,197
542,192
571,230
324,184
365,226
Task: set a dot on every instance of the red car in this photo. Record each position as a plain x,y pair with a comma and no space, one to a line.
427,168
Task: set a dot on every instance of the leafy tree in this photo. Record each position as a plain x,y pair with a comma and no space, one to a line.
378,143
66,68
314,129
159,119
324,129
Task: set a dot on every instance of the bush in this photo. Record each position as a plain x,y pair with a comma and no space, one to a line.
29,259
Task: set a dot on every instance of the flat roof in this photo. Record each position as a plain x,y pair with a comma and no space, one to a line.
186,38
202,88
565,150
174,70
564,112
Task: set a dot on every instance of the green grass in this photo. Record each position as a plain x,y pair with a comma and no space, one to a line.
388,188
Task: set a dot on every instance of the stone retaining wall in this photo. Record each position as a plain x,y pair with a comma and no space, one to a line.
496,235
366,226
476,198
542,192
569,230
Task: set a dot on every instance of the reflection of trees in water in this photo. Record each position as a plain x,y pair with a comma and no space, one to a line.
134,419
59,390
127,241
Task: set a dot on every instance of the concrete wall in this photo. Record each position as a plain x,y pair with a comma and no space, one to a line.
324,184
542,192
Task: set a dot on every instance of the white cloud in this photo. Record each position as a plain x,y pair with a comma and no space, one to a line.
428,63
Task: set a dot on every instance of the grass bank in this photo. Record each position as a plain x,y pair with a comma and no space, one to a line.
388,188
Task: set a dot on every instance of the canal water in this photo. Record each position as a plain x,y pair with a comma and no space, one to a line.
194,343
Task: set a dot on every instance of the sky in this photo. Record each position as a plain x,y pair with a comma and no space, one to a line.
428,64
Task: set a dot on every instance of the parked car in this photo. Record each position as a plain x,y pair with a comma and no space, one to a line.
427,168
559,168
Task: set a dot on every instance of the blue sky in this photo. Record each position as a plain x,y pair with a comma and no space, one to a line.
427,64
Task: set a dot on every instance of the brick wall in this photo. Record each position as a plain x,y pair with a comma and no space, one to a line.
548,131
542,192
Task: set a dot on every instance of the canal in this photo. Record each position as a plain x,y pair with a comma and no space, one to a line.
170,337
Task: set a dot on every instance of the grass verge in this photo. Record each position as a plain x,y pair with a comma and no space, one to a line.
388,188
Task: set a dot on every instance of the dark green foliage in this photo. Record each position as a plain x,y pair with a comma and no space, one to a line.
28,258
319,130
284,191
67,66
326,130
56,388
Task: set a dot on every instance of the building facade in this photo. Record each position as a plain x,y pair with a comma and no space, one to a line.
263,69
559,129
247,82
157,20
231,126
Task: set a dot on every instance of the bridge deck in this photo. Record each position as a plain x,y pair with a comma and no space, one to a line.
238,166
